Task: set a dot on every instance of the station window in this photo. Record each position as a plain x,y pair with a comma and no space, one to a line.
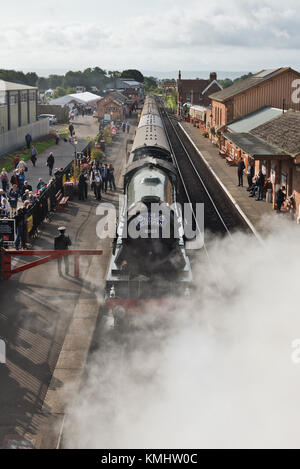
2,98
14,98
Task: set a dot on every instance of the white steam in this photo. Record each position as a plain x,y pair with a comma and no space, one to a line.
215,374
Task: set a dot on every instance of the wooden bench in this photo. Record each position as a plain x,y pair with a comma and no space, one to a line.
230,161
61,201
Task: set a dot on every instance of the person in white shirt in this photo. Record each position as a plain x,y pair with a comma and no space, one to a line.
96,181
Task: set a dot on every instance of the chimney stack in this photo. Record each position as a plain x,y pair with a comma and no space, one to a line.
213,76
179,75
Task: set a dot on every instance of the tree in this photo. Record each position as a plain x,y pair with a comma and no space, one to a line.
114,74
132,73
31,78
150,83
55,81
58,92
43,84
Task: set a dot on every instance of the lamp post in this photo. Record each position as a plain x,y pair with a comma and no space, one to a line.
74,142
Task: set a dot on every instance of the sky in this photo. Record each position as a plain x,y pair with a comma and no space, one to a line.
156,36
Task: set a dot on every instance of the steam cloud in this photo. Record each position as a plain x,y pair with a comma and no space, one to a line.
216,373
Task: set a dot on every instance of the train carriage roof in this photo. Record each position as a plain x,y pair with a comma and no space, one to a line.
150,136
158,163
151,119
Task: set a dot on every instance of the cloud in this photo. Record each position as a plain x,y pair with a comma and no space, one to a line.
197,33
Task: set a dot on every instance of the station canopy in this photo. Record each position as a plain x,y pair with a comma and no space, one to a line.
85,98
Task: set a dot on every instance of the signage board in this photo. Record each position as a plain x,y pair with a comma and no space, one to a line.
7,230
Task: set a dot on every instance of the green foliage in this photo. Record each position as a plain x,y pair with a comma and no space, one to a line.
29,79
97,154
172,101
60,91
150,83
228,82
7,160
114,74
134,74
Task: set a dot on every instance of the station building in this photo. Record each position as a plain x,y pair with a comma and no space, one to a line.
273,146
18,105
273,87
112,107
18,115
196,93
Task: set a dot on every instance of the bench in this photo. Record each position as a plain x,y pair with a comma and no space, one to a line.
61,200
230,161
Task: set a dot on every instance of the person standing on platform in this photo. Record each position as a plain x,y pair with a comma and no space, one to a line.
280,198
13,199
111,177
260,185
33,156
71,129
28,140
62,242
50,163
81,186
105,177
56,138
4,179
241,167
250,175
16,161
20,228
95,180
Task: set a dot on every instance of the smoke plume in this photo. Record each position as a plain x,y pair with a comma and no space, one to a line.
214,372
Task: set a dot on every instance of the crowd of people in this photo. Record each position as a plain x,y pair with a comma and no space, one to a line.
100,177
258,185
17,195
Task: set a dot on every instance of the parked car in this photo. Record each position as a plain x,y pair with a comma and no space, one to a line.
51,117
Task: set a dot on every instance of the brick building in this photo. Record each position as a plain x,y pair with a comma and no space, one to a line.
112,105
266,88
196,92
274,148
284,132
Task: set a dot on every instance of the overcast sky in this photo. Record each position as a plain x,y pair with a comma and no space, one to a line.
149,35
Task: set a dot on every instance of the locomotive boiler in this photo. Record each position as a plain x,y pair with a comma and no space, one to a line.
149,259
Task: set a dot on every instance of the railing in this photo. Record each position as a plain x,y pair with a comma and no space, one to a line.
46,202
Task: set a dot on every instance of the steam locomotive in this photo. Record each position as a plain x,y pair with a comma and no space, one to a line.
149,260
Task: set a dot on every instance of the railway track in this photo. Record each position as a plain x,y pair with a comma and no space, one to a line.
200,186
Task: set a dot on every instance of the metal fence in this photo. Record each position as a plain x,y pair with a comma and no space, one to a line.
46,202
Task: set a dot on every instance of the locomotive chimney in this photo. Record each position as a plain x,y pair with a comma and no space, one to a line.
213,76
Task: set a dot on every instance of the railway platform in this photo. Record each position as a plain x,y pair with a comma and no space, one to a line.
260,214
47,322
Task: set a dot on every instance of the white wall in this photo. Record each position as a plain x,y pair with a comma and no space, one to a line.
14,139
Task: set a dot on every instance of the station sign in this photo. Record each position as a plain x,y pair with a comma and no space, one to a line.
7,230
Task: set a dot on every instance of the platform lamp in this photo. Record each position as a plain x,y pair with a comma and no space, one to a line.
74,142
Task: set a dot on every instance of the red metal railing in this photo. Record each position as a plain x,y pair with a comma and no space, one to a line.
48,256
